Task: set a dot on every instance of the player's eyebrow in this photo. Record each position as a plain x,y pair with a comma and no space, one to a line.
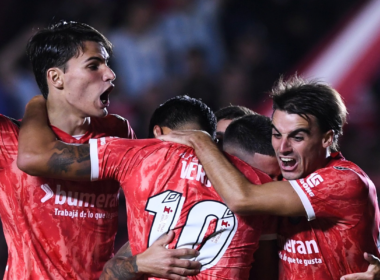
294,132
299,130
275,129
100,59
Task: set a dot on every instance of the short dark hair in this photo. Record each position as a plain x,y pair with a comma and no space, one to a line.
252,134
55,45
180,110
301,97
232,112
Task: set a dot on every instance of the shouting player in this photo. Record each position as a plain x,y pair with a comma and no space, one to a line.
332,202
47,223
164,184
58,229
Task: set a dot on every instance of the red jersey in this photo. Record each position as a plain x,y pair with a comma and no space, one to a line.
58,229
8,140
166,188
341,206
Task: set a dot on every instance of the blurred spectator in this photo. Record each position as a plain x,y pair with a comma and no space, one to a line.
193,24
252,54
234,86
198,83
139,51
18,85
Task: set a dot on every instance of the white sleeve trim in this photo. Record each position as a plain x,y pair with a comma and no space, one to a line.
94,159
305,201
271,236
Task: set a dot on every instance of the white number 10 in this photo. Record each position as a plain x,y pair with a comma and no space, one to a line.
208,216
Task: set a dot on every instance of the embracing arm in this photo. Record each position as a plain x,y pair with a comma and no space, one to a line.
372,273
121,266
156,261
41,154
240,195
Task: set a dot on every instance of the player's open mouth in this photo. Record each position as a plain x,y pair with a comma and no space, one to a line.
287,162
104,98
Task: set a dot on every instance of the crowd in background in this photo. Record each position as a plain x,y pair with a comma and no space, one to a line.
223,51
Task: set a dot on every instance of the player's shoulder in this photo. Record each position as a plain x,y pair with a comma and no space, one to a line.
341,171
8,122
113,125
124,143
254,175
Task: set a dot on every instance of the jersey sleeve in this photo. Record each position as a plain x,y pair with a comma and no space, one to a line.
108,156
338,193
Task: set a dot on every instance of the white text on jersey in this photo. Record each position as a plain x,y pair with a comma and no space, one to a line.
194,171
81,199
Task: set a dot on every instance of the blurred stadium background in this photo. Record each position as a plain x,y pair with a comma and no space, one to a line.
223,51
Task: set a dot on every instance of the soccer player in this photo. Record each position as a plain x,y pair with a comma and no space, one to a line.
164,184
331,201
225,116
249,138
255,129
58,229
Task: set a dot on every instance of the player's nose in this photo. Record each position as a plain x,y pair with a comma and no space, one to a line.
109,74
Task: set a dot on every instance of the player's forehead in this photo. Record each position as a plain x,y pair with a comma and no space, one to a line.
222,125
287,123
90,50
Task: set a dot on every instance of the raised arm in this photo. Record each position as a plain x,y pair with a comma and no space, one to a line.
240,195
156,261
41,154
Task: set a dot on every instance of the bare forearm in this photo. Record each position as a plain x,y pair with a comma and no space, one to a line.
41,154
155,261
231,185
122,266
240,195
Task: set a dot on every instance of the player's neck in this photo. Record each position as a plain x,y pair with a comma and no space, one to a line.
66,120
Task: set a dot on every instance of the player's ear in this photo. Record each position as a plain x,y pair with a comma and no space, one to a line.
328,139
55,77
157,131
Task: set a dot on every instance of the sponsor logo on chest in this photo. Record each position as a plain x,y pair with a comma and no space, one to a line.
79,199
297,252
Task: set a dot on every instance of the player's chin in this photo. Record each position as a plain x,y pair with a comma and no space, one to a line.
101,113
105,112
